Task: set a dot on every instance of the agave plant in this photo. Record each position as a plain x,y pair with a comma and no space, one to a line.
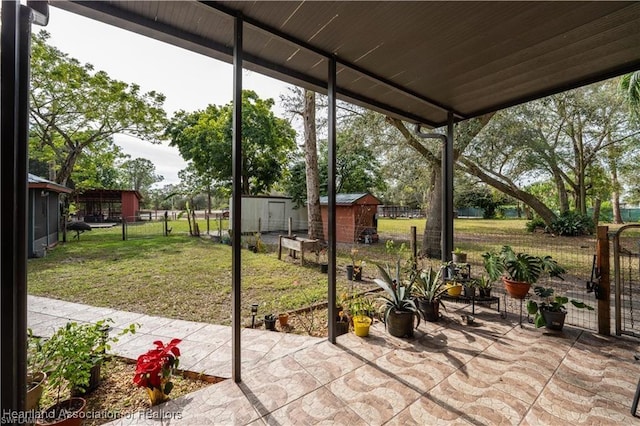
521,266
428,284
397,295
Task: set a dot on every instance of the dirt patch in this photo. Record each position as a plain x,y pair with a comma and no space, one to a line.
117,396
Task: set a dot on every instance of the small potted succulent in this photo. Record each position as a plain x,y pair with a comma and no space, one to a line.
551,312
519,271
155,368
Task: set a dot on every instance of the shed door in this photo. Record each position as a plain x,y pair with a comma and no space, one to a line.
276,216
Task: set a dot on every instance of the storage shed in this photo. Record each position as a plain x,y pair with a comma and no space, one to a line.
270,213
108,205
355,215
44,214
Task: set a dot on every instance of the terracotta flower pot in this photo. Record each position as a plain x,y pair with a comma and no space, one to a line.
283,319
516,289
34,392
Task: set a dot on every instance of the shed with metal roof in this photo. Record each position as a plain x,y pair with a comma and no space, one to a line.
44,214
355,215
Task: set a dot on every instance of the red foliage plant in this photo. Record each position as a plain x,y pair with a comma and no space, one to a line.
154,368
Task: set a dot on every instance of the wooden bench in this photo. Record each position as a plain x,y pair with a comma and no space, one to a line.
296,244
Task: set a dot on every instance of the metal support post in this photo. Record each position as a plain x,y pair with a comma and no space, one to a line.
236,156
331,229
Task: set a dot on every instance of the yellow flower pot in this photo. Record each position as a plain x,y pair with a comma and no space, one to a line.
454,290
361,326
156,396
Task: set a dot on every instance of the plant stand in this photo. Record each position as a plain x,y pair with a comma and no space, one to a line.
504,314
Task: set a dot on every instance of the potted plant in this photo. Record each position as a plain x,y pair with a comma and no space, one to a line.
429,288
459,256
35,372
154,369
400,309
321,255
361,309
454,289
484,285
270,322
70,355
354,271
283,319
519,270
551,312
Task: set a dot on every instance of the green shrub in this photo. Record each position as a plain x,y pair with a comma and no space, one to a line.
573,224
536,223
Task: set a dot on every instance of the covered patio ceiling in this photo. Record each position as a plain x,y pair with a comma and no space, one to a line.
415,61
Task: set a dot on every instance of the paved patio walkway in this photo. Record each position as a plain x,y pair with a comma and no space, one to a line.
492,372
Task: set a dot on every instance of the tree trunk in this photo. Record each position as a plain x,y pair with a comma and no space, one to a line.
597,203
615,184
545,213
562,192
433,228
311,163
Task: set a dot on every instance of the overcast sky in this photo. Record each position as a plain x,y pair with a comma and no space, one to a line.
188,80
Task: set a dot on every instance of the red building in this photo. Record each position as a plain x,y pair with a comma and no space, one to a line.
356,217
108,205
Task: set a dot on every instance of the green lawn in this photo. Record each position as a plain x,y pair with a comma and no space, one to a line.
190,278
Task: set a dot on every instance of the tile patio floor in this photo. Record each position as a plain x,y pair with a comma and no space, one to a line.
493,372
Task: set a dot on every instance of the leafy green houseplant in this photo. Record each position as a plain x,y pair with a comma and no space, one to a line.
551,312
428,288
519,270
69,357
400,309
154,369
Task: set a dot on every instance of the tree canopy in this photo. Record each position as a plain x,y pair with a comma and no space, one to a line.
204,138
74,108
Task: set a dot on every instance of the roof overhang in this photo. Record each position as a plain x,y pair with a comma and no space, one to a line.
416,61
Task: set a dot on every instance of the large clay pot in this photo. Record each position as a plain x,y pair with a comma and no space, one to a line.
516,289
34,392
554,320
74,407
400,323
430,310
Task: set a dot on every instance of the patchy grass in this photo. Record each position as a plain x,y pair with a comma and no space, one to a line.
177,277
190,278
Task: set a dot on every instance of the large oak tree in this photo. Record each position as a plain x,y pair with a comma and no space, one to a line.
75,108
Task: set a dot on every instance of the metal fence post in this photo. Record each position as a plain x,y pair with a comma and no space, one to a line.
124,228
414,248
602,258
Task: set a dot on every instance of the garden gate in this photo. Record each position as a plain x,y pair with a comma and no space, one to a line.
626,265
